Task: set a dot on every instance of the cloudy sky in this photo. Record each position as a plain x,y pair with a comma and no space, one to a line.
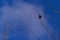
20,19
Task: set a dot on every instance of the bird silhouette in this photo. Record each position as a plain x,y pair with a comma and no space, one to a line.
40,16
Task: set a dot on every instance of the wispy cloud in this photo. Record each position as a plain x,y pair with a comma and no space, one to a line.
26,14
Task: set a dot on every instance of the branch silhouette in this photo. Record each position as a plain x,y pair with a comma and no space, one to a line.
49,33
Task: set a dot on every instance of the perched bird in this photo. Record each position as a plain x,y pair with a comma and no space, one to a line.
40,16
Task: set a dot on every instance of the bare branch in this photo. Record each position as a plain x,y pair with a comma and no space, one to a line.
49,33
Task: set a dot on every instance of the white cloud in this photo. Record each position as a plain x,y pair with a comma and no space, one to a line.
28,13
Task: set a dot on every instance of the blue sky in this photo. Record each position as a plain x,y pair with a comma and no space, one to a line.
47,10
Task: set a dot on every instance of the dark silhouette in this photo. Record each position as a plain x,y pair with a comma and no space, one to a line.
40,16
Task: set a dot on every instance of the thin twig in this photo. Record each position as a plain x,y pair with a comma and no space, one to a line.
49,33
